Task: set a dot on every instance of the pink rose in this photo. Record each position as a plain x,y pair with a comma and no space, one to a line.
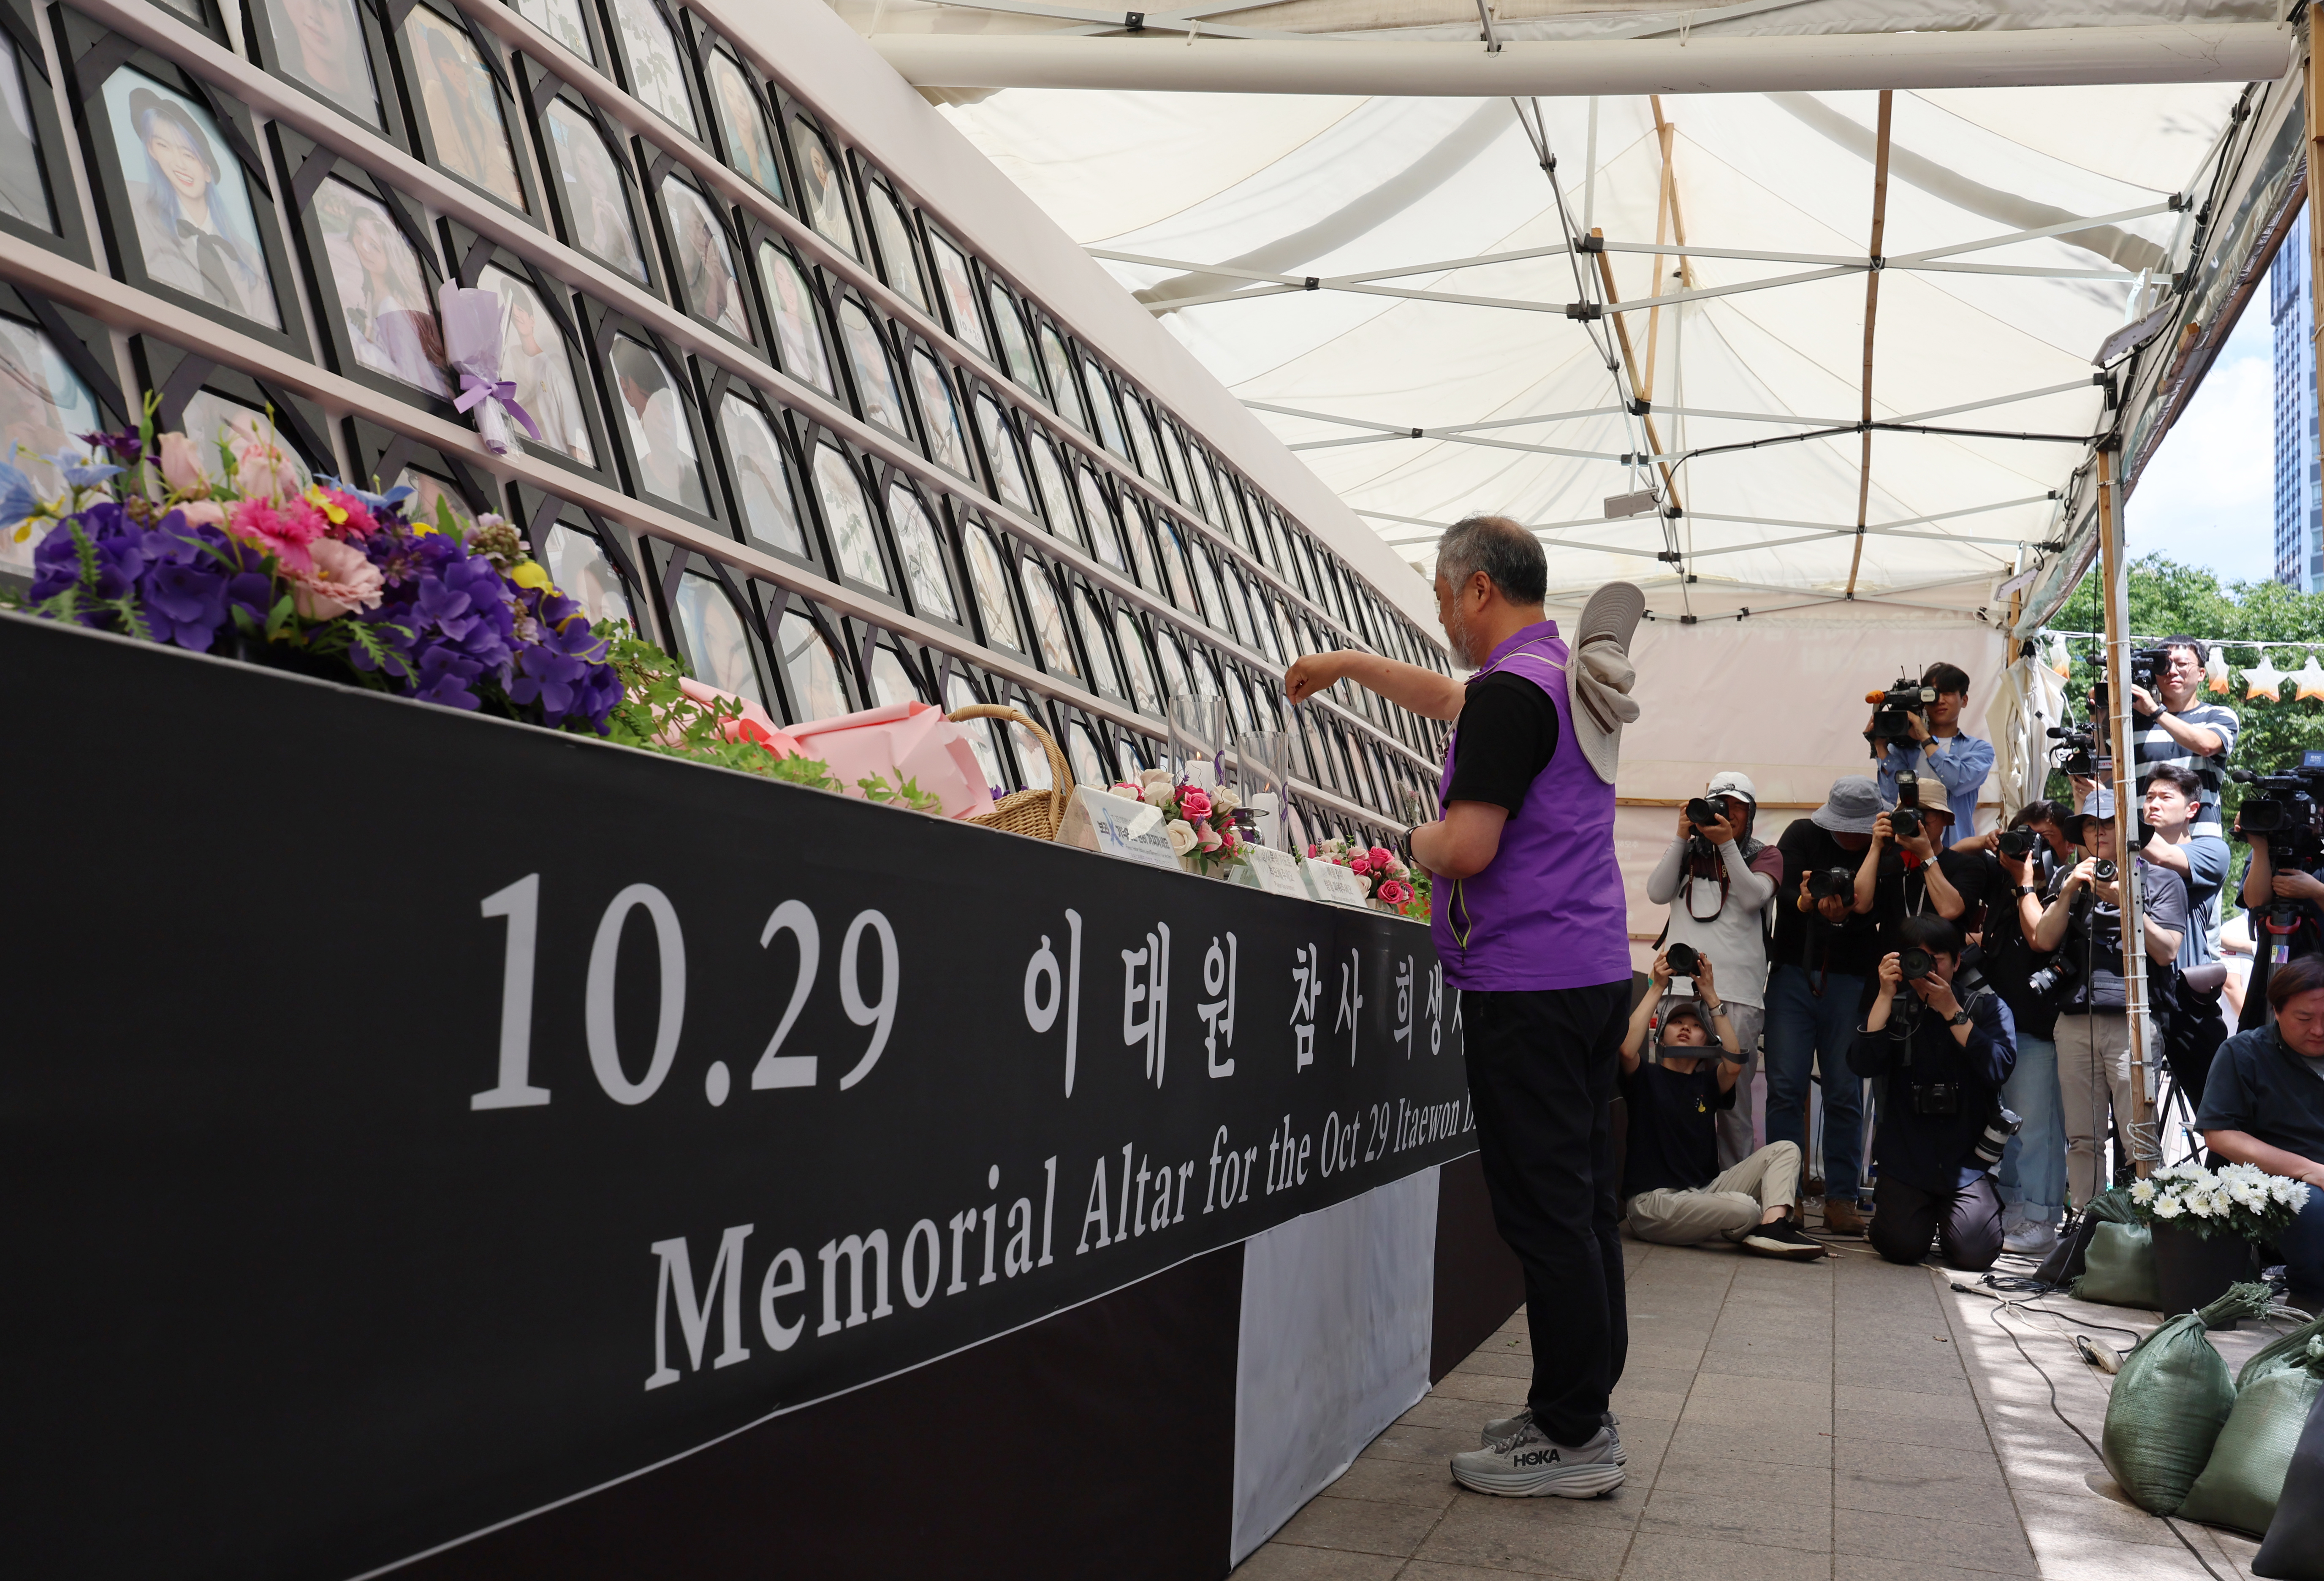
1229,838
1360,866
181,463
1207,838
262,468
339,580
201,513
1393,893
1194,802
1313,850
1380,856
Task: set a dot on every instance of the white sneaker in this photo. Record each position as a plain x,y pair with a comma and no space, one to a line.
1499,1431
2030,1238
1529,1466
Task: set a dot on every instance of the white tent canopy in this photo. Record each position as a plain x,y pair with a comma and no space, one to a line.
1355,269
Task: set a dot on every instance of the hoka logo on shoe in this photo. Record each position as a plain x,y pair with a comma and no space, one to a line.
1538,1457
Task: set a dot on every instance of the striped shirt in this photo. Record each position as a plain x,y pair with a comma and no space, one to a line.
2157,745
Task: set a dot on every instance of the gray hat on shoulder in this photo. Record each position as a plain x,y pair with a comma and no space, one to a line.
1600,677
1852,807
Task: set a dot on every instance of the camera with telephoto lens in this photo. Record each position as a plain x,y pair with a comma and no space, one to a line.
2018,843
1905,823
1704,810
1683,960
2000,1125
1915,963
2058,975
1832,883
1893,710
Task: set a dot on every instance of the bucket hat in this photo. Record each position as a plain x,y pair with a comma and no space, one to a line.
1601,675
1852,807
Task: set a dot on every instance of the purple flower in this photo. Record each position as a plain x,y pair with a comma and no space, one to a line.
116,551
125,445
193,575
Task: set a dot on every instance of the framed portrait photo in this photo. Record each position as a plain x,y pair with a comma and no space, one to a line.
871,368
542,352
181,187
37,200
461,94
1004,445
840,481
798,317
758,459
381,459
55,381
699,248
819,679
592,185
957,290
591,560
571,23
373,272
209,402
655,416
651,56
332,49
738,111
936,392
894,239
822,183
919,521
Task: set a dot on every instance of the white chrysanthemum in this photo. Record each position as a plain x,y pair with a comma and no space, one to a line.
2167,1206
2142,1192
2199,1203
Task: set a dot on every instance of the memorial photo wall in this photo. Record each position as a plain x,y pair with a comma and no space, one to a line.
1168,571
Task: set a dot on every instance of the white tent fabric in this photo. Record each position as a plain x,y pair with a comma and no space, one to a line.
1295,187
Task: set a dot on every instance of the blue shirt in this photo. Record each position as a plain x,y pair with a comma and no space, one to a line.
1961,768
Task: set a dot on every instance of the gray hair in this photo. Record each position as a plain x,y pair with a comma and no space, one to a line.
1510,556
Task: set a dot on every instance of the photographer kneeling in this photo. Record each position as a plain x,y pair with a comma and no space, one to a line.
1670,1178
1943,1127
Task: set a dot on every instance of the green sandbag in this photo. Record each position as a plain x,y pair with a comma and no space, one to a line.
2170,1400
2120,1268
2280,1356
2240,1486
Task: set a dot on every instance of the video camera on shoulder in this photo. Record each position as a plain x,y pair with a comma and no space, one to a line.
1893,710
2288,808
2146,664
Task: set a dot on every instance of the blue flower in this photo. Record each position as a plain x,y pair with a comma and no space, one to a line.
18,497
373,503
82,473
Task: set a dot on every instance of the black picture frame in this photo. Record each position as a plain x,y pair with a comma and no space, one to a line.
1106,677
775,605
711,50
609,333
428,141
470,257
204,16
326,188
377,456
651,83
886,408
174,375
541,515
680,574
827,460
544,88
971,523
820,185
743,477
1031,563
937,509
593,33
973,330
934,386
35,335
96,56
898,254
1000,449
869,641
1017,356
260,33
793,353
66,233
84,343
665,175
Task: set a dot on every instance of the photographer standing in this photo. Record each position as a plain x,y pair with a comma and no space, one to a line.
1716,880
2284,900
1825,957
2084,926
2169,724
2032,1177
2172,802
1936,748
1943,1059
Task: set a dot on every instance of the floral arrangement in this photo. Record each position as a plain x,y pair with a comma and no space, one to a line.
1200,821
2239,1199
226,550
1388,882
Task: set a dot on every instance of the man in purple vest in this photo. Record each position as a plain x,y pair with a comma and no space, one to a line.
1531,925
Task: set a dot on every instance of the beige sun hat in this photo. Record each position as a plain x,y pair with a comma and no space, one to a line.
1601,675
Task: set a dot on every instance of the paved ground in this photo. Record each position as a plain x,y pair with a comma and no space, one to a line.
1843,1421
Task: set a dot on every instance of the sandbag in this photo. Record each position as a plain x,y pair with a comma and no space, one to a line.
2245,1476
2278,1354
2119,1269
2294,1548
2064,1265
2170,1400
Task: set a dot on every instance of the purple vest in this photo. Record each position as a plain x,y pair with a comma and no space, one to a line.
1548,911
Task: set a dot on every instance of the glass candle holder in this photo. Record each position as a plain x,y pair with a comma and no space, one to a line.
1262,766
1198,739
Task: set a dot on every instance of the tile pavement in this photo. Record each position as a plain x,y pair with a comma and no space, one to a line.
1844,1420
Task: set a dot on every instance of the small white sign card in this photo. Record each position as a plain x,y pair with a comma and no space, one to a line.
1328,880
1099,820
1275,871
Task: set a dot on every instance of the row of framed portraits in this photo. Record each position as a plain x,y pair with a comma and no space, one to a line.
800,492
187,205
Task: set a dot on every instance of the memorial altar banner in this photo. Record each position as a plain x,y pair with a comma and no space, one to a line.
413,1120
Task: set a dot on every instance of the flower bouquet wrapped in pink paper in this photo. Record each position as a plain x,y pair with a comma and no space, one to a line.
907,751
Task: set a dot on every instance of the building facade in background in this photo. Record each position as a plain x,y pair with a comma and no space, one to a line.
2299,510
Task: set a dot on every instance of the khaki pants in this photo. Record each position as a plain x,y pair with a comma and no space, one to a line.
2094,1078
1732,1206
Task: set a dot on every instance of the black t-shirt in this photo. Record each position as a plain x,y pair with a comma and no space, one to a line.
2259,1087
1803,938
2009,957
1902,891
1674,1141
1504,738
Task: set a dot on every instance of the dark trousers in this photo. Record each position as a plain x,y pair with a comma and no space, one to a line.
1542,1066
1965,1223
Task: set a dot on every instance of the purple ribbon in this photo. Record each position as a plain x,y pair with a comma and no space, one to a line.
474,390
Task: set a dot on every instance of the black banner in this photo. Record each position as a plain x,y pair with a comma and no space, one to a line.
412,1119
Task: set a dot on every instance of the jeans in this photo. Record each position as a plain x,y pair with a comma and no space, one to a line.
2033,1175
1804,1030
1541,1068
2302,1245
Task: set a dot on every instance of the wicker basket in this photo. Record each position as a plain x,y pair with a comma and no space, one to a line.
1036,813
